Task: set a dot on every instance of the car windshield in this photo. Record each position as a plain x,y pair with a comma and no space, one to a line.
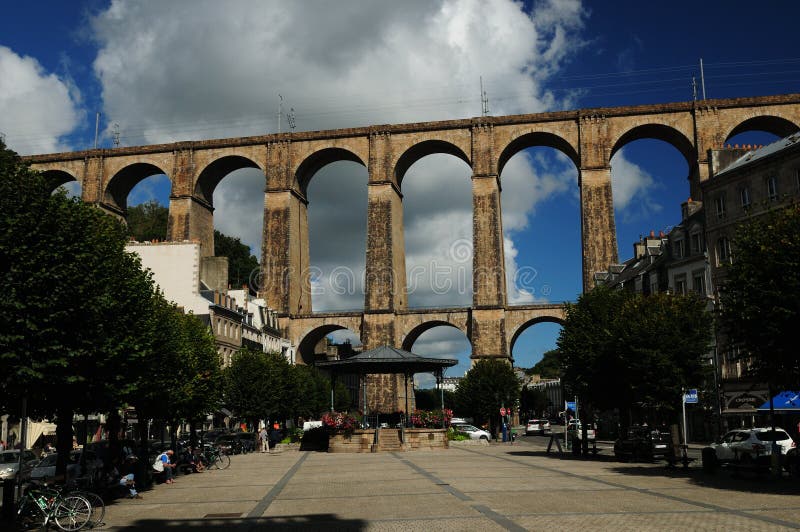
9,458
467,428
226,438
49,460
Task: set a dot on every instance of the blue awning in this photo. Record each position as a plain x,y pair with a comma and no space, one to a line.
783,402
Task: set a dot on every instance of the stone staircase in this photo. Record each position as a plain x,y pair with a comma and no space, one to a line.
389,441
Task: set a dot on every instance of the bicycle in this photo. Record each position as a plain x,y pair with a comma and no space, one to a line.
41,505
98,507
216,459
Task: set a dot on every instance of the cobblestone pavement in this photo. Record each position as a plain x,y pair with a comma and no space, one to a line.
494,487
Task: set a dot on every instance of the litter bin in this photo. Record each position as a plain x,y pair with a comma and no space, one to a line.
8,498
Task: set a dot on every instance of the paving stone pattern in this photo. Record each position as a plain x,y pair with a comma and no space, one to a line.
496,487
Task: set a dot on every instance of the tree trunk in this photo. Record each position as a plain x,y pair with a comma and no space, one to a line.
63,437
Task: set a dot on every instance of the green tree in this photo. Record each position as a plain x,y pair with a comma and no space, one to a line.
760,295
431,399
549,367
625,350
73,319
148,221
257,385
240,262
487,386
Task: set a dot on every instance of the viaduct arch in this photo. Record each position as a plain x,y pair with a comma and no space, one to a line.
589,137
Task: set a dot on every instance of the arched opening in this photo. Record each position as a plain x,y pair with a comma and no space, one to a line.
214,173
533,350
140,193
234,186
337,228
59,179
650,171
437,223
540,191
443,340
761,130
327,341
423,149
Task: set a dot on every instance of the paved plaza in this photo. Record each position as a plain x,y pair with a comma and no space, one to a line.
477,487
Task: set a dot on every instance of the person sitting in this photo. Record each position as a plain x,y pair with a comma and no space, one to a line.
127,479
168,466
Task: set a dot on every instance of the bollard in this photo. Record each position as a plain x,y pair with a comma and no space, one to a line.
8,498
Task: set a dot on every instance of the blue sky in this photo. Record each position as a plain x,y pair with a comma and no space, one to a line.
167,71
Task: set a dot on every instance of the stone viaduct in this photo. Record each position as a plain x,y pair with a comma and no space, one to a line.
589,137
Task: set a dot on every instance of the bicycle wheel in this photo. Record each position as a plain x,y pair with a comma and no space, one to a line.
98,508
223,461
72,513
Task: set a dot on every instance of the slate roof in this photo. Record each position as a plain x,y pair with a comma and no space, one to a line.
764,151
387,359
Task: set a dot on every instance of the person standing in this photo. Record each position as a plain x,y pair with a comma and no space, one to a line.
264,436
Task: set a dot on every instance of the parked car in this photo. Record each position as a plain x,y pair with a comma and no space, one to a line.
473,432
537,426
9,462
747,445
45,470
575,430
643,443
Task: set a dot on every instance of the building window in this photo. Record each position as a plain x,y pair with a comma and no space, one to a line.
697,242
744,196
699,282
723,251
679,248
654,287
680,284
772,188
719,202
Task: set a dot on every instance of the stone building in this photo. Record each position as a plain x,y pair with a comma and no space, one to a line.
193,282
744,184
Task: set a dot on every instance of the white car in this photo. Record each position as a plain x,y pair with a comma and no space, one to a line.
575,430
537,426
473,432
748,445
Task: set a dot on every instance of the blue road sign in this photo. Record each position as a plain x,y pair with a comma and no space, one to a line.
570,405
690,396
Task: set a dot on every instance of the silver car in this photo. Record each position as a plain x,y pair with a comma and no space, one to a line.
748,445
9,462
46,469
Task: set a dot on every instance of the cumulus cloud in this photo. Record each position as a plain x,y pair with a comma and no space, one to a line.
37,108
632,188
184,70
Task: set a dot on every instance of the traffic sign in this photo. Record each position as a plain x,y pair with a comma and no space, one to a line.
690,396
502,411
570,405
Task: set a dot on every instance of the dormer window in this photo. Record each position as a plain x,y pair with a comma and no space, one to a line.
679,248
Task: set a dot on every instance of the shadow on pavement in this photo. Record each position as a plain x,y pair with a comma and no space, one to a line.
724,479
217,523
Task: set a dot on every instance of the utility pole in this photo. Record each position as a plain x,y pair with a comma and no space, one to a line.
116,135
96,128
280,111
702,79
694,88
290,118
484,100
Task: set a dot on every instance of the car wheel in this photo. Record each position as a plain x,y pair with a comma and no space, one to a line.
484,438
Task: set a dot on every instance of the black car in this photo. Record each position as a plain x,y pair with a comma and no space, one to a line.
643,443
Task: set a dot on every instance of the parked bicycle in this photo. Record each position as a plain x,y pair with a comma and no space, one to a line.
41,505
214,458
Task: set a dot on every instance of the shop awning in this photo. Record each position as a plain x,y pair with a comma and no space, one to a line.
783,402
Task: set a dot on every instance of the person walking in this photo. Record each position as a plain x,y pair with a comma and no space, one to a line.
264,436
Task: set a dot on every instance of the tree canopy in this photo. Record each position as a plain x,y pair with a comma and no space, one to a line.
549,367
148,221
760,295
634,352
487,386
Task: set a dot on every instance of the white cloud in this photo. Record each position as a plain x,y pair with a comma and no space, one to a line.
36,108
168,74
632,188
